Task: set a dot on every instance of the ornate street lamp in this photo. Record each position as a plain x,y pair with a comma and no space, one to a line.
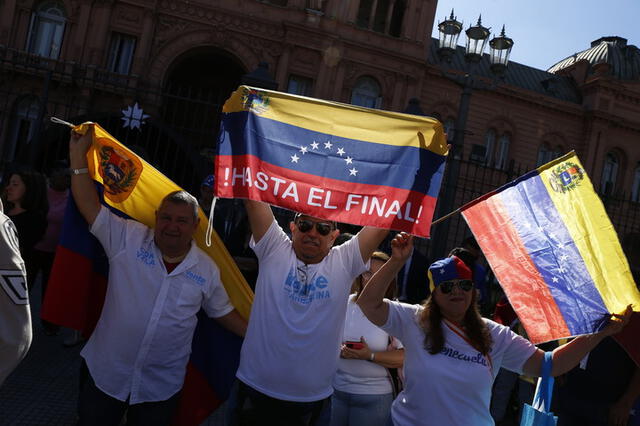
477,37
500,51
449,30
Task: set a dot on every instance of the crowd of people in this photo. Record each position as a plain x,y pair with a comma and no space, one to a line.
340,333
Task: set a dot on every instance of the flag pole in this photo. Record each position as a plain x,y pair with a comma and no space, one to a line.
446,216
60,121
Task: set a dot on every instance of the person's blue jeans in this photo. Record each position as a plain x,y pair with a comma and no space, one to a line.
348,409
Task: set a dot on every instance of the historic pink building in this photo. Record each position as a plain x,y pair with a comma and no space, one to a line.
179,60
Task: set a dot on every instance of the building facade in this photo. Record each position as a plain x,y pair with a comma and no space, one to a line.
179,60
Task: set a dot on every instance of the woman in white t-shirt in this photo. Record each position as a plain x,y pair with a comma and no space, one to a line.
363,389
452,355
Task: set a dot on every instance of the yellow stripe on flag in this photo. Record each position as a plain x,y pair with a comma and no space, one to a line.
342,120
137,189
589,226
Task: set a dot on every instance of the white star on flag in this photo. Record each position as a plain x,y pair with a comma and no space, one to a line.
133,117
340,151
555,279
353,172
564,257
303,149
349,160
328,145
294,158
314,145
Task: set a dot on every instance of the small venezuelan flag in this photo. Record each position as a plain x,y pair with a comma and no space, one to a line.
554,251
335,161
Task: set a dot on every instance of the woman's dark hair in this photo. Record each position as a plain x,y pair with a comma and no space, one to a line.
474,326
35,194
358,283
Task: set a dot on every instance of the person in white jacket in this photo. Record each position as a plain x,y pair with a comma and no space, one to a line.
15,317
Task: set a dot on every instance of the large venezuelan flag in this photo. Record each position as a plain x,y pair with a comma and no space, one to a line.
132,188
335,161
554,251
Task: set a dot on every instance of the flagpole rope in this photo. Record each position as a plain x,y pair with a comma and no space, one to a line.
61,121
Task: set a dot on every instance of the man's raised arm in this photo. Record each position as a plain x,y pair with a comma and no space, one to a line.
82,187
260,218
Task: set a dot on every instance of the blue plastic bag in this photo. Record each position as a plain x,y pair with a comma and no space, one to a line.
539,414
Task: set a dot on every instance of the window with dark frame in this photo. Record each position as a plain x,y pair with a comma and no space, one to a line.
299,85
121,53
367,93
46,30
609,174
382,16
635,186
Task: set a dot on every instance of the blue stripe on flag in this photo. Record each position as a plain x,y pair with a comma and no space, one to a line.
554,254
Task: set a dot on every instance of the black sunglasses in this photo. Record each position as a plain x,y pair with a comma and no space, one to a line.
446,287
305,225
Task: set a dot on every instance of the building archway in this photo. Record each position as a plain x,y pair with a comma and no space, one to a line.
196,86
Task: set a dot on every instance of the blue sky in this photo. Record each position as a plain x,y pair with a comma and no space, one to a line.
547,31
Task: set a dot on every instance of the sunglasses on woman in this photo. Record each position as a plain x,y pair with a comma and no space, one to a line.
305,225
446,287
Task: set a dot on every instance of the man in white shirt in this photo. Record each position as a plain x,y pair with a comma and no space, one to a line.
158,281
15,318
291,349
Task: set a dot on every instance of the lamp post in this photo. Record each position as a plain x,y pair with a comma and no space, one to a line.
477,37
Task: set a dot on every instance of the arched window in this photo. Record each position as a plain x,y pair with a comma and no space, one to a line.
635,187
489,145
366,93
23,118
502,153
609,174
544,154
46,30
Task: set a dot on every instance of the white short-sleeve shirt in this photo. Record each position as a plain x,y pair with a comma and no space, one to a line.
292,344
142,341
452,387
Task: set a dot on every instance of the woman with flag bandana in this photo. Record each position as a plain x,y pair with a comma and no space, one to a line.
452,355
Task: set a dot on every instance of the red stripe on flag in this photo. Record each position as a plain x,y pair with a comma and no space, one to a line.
197,399
364,204
75,292
511,263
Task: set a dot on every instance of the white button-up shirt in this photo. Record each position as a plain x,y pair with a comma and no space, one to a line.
142,342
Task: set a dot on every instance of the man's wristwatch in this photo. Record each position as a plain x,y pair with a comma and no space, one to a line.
80,171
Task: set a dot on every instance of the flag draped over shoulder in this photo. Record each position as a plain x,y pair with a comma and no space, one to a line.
554,251
331,160
132,188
